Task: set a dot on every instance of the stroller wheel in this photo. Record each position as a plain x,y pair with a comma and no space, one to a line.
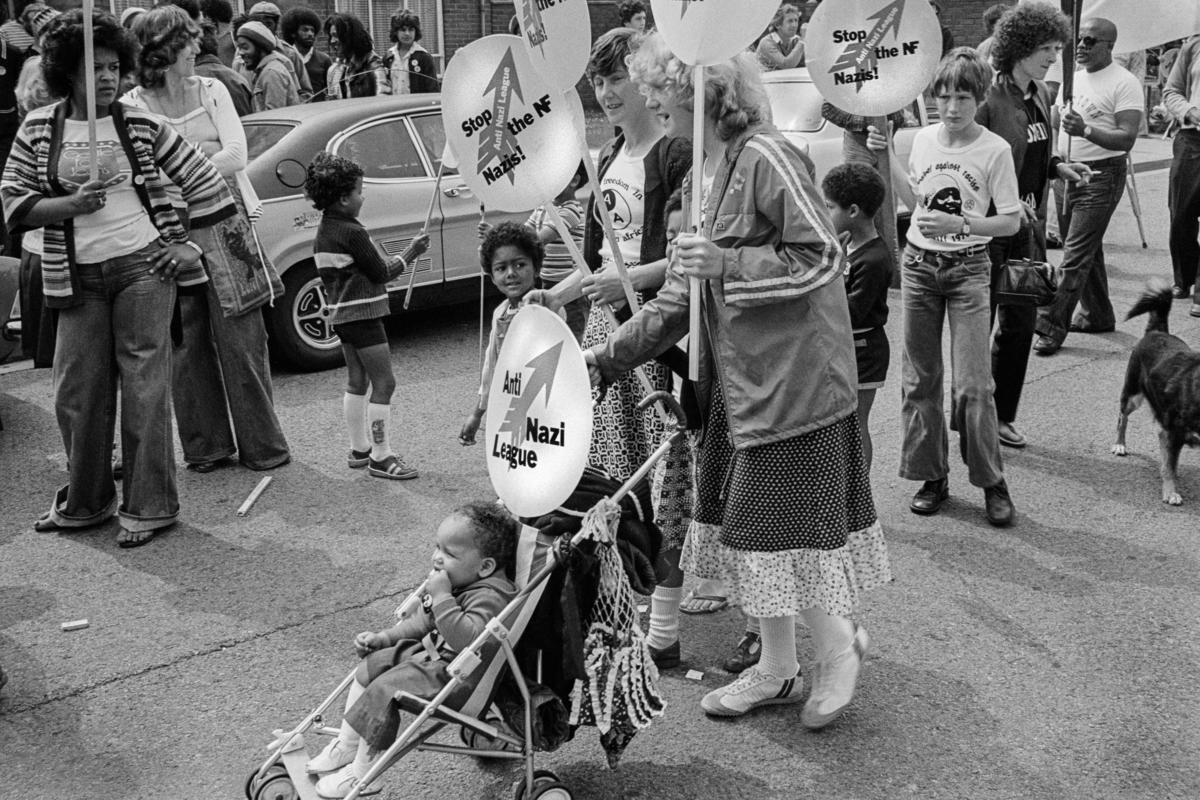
277,787
545,785
252,785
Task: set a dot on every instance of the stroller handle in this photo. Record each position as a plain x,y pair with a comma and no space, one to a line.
412,601
671,404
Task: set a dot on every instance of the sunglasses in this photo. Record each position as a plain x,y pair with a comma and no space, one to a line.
1091,41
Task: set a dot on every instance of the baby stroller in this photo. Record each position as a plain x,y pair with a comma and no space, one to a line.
540,553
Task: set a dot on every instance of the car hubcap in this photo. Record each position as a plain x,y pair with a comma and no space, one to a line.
311,317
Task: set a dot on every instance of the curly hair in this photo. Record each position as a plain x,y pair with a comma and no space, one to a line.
405,19
962,70
496,532
628,9
352,36
163,33
217,10
1022,30
855,184
62,47
329,178
992,15
734,97
783,11
511,233
294,19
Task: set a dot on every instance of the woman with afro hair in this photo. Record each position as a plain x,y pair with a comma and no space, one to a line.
410,67
115,253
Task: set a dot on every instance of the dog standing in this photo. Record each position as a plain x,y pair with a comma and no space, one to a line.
1165,373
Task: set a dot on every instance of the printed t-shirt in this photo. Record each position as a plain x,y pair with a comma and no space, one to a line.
121,226
623,191
1098,97
1032,178
964,181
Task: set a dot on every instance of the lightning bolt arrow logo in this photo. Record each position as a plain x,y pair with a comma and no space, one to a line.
684,6
860,56
543,369
501,142
535,29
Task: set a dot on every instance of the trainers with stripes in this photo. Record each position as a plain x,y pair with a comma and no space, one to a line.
833,683
751,690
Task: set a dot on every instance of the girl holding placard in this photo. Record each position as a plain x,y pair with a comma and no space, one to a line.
783,512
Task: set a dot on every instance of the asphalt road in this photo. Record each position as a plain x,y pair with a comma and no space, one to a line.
1056,659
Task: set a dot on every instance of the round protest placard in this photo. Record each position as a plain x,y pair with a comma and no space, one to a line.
872,57
558,38
539,414
510,128
707,32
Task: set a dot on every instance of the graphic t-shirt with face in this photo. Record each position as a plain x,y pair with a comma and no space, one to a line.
963,181
623,190
121,226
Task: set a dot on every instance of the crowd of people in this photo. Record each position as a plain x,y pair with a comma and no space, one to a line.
770,504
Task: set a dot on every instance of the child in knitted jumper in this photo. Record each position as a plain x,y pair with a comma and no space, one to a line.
355,275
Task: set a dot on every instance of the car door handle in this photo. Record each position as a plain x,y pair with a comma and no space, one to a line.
455,191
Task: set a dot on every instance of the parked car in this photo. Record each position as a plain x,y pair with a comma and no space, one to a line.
398,141
796,111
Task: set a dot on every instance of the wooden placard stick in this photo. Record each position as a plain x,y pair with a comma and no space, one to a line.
694,285
606,222
89,76
437,187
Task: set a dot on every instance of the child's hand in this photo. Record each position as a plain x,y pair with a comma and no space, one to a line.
368,642
438,583
542,297
875,139
937,223
483,228
467,435
419,245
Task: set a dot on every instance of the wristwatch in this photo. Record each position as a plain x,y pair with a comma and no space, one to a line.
966,228
1087,131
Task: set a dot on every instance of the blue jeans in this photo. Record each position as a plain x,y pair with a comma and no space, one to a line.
934,286
1083,280
119,333
222,374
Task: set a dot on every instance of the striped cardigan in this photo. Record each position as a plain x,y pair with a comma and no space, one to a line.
156,153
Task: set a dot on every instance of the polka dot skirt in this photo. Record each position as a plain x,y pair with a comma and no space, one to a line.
788,525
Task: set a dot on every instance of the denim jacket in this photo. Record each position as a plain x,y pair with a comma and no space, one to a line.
776,324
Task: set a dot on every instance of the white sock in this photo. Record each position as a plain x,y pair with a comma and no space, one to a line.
753,626
831,635
778,647
354,409
377,421
664,617
348,735
362,761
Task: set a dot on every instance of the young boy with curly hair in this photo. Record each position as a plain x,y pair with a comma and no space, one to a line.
512,256
470,583
355,275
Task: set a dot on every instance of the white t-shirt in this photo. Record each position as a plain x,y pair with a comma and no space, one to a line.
623,190
121,226
1098,97
963,180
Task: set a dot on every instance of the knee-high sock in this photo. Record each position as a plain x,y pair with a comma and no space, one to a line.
753,626
377,420
831,635
354,409
778,647
348,735
664,616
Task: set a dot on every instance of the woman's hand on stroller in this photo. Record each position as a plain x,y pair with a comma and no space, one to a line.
368,642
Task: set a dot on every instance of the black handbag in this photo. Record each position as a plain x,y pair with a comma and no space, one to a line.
1026,281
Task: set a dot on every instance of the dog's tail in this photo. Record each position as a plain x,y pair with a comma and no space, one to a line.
1156,300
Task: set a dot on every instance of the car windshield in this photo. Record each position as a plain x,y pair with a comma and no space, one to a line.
795,106
262,136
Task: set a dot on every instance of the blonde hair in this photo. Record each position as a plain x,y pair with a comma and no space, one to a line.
163,33
734,97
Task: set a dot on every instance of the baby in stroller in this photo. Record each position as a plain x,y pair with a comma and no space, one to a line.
470,583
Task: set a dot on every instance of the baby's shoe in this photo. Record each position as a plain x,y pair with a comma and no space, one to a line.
339,784
336,755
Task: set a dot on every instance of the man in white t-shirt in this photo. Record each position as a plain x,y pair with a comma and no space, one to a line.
1098,129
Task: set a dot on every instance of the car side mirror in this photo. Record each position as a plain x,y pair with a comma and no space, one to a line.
291,173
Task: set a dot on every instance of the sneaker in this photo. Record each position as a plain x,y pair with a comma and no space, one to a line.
358,458
392,468
338,784
665,657
834,682
998,505
1180,292
751,690
336,755
1194,311
1010,436
745,655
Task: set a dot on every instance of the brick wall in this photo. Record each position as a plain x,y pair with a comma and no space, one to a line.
964,18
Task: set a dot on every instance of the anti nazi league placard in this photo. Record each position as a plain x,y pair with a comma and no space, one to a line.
509,127
539,415
558,38
873,57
